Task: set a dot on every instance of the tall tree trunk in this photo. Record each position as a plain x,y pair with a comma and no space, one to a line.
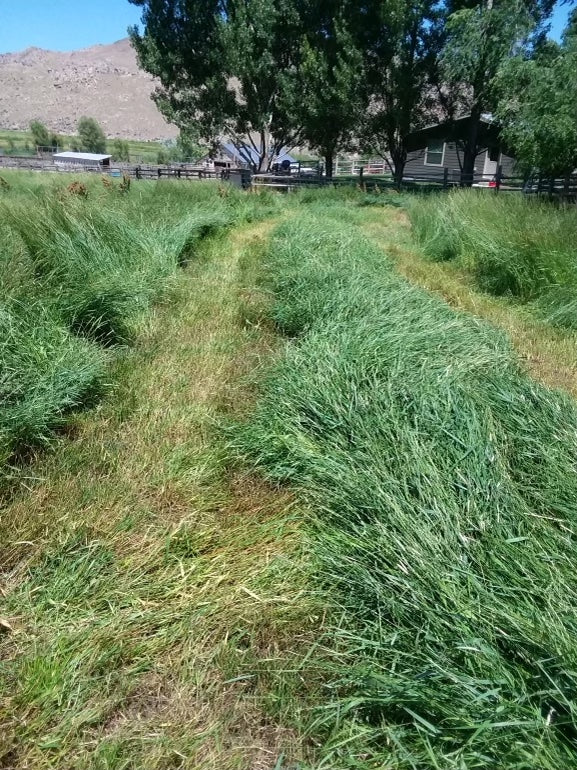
329,163
399,158
265,159
470,149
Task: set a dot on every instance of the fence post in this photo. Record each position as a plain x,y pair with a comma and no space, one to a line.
498,178
566,182
445,177
361,173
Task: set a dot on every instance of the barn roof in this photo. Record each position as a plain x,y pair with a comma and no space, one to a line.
233,151
81,156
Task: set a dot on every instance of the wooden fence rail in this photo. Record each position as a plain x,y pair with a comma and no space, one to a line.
237,177
366,178
137,172
562,189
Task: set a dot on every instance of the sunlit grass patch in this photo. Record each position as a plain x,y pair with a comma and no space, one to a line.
443,485
546,351
513,246
156,596
80,273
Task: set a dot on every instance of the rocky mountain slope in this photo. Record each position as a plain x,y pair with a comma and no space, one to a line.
103,81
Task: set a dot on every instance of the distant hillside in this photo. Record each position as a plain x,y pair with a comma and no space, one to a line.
103,81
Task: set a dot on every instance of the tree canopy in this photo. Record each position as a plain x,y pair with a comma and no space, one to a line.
480,39
401,43
41,136
538,106
273,74
91,135
224,67
121,150
326,99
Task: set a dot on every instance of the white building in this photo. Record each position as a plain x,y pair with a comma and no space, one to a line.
78,159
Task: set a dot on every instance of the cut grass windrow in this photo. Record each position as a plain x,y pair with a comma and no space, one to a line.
78,274
443,486
547,353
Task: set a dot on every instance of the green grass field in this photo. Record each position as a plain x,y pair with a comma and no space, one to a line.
81,265
21,143
280,488
511,248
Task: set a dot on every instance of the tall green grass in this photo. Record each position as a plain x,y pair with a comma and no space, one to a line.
77,274
513,246
45,371
443,488
99,269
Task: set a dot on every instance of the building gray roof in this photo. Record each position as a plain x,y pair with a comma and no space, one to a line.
81,156
251,153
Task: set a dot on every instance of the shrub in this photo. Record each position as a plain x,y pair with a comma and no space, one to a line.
78,188
40,134
121,151
91,136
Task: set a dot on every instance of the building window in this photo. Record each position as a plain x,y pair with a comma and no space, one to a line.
435,153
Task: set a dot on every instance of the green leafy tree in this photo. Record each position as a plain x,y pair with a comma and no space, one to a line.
480,38
538,106
170,152
401,46
121,150
91,136
162,157
184,148
40,134
42,137
219,65
327,100
188,147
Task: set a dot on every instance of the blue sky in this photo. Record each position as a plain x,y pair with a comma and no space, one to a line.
64,25
559,21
